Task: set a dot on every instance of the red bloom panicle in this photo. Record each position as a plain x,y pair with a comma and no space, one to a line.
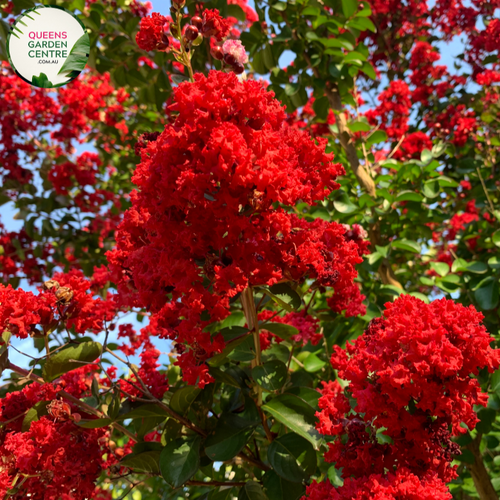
208,210
64,299
410,378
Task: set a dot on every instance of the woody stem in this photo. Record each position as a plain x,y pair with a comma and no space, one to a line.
253,324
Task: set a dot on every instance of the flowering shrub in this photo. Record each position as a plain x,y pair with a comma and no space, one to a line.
243,277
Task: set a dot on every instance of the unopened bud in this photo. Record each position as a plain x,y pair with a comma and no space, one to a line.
174,31
191,33
217,53
230,59
238,68
197,21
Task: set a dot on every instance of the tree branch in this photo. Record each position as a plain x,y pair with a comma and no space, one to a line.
478,471
69,397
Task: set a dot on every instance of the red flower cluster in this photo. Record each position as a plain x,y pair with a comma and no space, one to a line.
59,458
155,381
152,33
80,174
214,25
65,298
401,485
393,112
410,378
206,221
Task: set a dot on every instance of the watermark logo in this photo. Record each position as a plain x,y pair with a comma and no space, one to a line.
48,46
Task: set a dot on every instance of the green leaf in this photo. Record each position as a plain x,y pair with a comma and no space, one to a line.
183,398
34,413
269,60
252,491
459,265
70,358
362,24
218,359
494,262
495,237
296,414
486,418
310,396
278,488
495,381
96,423
381,437
292,457
438,149
180,460
446,181
286,294
431,188
245,351
279,6
313,364
477,267
282,330
78,56
232,433
271,375
420,296
145,411
236,11
368,70
449,283
349,7
376,137
321,107
343,204
441,268
359,126
147,462
425,156
4,351
335,477
409,196
408,245
486,293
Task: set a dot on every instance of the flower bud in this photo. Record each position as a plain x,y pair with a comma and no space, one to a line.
178,3
217,53
197,22
174,31
191,33
238,68
229,59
